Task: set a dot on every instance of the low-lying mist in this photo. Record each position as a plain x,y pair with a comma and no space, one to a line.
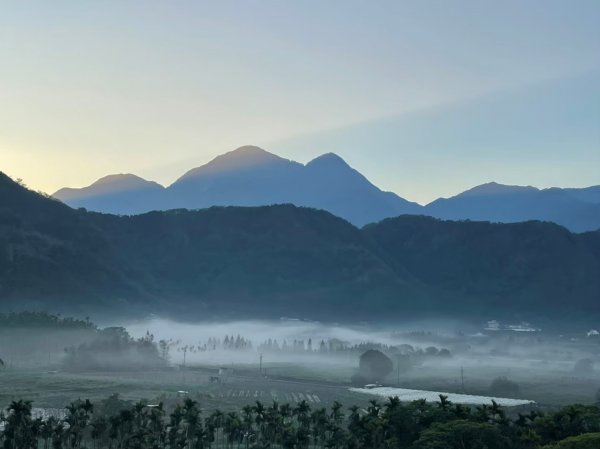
436,355
431,348
259,331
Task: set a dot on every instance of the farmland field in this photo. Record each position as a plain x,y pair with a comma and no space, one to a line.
55,389
195,364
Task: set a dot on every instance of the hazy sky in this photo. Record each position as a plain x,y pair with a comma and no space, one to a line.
424,97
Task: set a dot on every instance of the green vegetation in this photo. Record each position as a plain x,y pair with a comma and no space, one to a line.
373,366
114,349
504,388
289,261
73,344
118,424
40,338
584,367
41,321
585,441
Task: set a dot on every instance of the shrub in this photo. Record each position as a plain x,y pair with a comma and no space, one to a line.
373,366
584,367
585,441
502,387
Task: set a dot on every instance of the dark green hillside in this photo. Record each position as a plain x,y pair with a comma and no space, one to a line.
531,267
288,261
51,254
265,261
275,260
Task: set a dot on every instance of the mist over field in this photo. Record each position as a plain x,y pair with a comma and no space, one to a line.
517,354
259,331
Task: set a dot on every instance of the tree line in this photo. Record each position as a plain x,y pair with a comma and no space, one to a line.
117,424
272,345
42,320
112,348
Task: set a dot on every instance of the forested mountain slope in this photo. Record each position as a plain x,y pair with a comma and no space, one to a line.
264,262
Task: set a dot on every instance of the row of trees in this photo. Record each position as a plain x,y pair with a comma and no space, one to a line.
240,343
112,348
394,424
42,320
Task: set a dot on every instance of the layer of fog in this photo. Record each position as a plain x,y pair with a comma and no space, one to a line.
512,354
259,331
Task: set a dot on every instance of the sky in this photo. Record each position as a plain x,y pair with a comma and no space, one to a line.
425,98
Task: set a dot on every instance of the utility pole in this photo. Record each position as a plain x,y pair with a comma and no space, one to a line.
398,367
185,348
260,365
462,379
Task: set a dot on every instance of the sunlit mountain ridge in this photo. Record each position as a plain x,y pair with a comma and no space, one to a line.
251,176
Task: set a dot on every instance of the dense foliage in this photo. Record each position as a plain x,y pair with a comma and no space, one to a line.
288,261
113,348
373,366
504,388
42,321
116,424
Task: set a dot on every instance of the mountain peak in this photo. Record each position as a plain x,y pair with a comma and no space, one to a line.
242,158
494,188
107,185
121,179
247,154
328,159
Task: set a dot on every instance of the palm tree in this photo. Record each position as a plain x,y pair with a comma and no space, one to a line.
302,412
374,408
47,430
78,418
176,433
354,427
286,412
17,429
319,421
125,426
217,420
461,412
289,438
156,428
482,413
336,412
497,414
444,403
303,437
259,419
373,429
393,403
99,427
59,436
247,422
192,423
233,428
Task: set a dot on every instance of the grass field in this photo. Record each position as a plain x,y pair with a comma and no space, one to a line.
285,382
56,389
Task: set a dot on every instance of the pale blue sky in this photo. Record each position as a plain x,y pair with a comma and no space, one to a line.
425,97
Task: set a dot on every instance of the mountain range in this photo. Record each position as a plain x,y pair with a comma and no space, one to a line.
251,176
248,176
284,260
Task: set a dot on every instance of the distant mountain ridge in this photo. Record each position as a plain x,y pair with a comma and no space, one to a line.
251,176
119,194
273,261
576,209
